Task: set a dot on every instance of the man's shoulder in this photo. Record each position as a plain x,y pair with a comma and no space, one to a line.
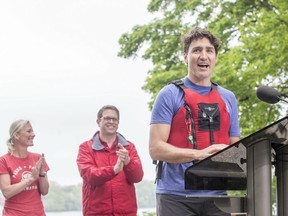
170,90
87,143
225,91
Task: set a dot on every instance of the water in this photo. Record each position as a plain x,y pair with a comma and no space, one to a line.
70,213
79,213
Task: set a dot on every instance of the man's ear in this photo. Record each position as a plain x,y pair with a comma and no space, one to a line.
98,121
185,59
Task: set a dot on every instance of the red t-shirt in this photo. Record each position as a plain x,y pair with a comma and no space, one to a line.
27,202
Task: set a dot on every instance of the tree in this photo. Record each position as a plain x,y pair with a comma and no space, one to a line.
63,198
69,197
145,191
254,35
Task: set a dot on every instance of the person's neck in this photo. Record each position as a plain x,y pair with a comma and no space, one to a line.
108,138
20,153
200,82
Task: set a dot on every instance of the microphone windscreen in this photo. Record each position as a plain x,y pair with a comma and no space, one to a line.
268,94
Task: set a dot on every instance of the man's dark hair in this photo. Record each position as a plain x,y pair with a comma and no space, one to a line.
199,33
111,107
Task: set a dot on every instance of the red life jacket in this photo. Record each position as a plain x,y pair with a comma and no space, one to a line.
203,120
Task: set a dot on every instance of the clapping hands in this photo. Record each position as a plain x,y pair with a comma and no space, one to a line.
123,158
39,168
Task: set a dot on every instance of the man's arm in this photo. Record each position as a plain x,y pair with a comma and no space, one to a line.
160,150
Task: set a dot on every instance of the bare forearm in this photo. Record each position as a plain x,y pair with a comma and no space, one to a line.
44,185
166,152
159,149
15,189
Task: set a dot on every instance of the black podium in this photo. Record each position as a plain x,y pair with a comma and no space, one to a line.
247,165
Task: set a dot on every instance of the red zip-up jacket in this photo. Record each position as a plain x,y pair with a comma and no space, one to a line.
103,192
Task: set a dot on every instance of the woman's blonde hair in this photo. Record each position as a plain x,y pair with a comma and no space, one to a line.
15,127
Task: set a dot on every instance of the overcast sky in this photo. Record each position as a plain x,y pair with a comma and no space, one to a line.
59,65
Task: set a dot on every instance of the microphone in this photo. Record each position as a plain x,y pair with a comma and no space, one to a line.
269,95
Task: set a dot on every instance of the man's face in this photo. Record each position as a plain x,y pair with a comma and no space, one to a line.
200,59
109,122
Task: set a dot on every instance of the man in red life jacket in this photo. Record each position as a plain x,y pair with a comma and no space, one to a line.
191,119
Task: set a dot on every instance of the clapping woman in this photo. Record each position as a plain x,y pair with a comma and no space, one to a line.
23,178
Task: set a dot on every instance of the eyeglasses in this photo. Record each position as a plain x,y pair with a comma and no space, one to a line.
108,119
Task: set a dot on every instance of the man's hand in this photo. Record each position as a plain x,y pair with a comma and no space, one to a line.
118,166
123,154
210,150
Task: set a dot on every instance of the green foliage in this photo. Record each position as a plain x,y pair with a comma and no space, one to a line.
145,191
149,214
254,37
274,189
63,198
69,198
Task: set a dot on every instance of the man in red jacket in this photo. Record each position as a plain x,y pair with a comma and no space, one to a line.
109,166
